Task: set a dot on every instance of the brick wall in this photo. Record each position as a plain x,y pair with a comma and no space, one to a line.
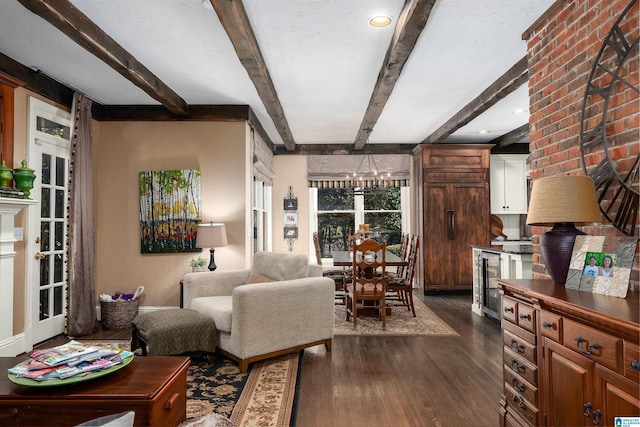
562,46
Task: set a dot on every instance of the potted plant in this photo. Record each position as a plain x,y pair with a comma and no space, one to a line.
197,264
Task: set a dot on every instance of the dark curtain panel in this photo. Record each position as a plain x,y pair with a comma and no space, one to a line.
82,301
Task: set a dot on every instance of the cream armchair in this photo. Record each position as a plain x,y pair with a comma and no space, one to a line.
281,305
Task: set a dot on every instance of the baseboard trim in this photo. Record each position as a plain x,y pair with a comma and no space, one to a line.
12,346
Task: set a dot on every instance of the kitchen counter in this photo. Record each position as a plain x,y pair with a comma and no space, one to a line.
509,248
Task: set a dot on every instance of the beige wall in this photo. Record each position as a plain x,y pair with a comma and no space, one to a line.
291,170
121,150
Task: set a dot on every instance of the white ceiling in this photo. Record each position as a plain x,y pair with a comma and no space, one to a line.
322,56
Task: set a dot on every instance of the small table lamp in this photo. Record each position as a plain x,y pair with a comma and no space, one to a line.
561,202
211,236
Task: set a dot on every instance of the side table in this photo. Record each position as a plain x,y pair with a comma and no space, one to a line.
154,387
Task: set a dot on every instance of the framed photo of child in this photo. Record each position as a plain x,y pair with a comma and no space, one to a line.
601,265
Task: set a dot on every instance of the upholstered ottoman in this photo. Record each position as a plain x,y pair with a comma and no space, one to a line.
173,331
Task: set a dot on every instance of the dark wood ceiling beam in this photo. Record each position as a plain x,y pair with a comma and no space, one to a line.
36,81
507,83
219,113
236,23
411,22
342,149
511,137
79,28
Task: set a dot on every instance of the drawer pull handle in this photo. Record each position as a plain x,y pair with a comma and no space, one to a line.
525,317
519,368
519,398
635,365
171,401
518,386
547,325
589,349
515,347
508,310
596,416
587,409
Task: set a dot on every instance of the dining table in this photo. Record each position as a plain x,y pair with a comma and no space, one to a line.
345,259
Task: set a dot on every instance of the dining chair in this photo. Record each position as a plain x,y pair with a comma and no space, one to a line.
335,274
400,288
367,281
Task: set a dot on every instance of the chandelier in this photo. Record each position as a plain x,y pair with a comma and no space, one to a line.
366,180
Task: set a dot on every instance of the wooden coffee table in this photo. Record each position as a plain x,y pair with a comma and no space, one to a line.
154,387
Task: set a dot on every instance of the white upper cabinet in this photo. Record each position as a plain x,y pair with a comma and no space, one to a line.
508,184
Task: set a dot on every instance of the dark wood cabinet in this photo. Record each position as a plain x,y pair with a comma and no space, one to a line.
454,211
586,365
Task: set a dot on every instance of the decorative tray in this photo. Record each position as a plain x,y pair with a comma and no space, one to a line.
71,380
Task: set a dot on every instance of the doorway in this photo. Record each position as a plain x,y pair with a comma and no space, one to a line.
46,246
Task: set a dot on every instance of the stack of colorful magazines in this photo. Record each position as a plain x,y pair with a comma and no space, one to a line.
69,360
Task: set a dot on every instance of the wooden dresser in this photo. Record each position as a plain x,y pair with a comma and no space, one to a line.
570,358
155,387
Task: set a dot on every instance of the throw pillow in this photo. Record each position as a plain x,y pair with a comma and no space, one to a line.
258,278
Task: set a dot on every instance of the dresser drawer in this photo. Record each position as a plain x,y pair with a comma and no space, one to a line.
509,309
631,362
519,404
598,346
519,346
551,326
527,317
519,313
521,366
522,386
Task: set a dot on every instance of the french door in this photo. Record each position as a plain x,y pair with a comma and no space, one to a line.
49,152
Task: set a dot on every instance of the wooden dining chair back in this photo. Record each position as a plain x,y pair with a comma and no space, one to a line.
335,274
368,281
405,240
400,288
316,245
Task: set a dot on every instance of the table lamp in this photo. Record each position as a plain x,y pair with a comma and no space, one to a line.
211,236
561,202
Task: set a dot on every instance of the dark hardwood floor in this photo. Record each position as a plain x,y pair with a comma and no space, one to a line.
407,381
401,381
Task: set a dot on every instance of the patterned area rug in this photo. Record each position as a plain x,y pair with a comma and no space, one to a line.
265,396
400,322
262,397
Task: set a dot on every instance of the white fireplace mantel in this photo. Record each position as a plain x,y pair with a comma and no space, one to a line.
9,208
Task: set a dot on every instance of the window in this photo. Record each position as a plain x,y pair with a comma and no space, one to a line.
261,216
336,214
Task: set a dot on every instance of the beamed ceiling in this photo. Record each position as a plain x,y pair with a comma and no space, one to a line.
312,76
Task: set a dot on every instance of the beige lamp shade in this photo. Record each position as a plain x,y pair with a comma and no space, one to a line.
211,235
568,198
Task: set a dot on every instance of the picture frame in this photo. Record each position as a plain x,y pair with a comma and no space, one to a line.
290,218
601,264
291,204
290,233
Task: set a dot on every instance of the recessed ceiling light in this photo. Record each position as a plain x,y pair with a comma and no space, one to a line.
483,132
380,21
207,4
519,111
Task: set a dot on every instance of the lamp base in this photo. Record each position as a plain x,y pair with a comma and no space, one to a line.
212,262
556,246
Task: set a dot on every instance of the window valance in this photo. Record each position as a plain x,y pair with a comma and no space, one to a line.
262,160
336,171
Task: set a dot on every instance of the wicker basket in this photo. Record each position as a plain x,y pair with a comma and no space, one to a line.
118,314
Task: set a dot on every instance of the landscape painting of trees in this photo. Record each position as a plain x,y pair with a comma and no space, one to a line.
170,210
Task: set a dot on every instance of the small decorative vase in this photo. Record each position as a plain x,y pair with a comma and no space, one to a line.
24,178
6,175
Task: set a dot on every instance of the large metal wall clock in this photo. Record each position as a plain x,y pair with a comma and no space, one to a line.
609,121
